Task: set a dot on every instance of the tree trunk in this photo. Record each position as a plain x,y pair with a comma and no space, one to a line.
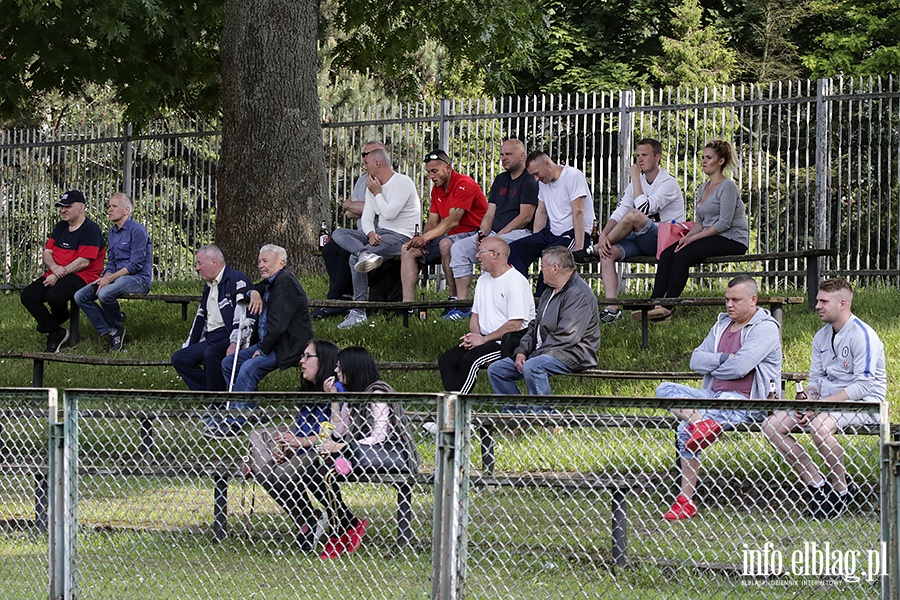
271,180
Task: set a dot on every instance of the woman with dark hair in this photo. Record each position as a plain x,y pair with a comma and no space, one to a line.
720,228
371,438
278,456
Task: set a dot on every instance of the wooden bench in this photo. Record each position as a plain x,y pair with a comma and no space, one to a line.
182,299
810,258
39,359
147,463
645,305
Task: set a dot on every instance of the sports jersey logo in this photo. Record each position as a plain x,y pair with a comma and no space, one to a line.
845,351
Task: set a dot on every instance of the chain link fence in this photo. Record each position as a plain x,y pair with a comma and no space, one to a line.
565,498
24,545
562,497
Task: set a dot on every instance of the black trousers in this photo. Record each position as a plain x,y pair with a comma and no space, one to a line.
459,367
337,259
672,271
37,298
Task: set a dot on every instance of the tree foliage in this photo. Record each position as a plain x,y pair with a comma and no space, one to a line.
697,55
155,53
863,38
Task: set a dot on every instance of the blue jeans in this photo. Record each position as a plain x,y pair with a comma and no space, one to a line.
536,372
107,317
727,418
250,371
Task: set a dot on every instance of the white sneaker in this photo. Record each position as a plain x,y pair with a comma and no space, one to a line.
353,319
368,261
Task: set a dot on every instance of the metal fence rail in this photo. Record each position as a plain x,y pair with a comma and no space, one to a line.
560,499
818,163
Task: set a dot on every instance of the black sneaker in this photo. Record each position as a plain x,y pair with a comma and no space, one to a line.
610,316
117,338
56,339
825,503
587,255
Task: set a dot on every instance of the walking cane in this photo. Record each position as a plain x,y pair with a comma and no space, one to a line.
242,300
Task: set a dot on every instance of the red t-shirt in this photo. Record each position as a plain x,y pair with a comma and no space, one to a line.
85,242
730,342
462,193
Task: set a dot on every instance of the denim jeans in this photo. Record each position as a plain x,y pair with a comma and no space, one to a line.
727,418
250,371
536,372
107,317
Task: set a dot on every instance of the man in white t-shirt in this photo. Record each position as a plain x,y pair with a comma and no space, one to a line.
388,221
502,304
652,196
340,285
564,216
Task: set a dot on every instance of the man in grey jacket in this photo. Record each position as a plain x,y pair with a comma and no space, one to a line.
740,358
564,336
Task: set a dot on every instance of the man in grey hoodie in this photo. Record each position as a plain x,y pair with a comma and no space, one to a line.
740,358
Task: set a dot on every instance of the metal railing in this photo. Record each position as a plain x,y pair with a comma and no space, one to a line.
561,498
818,163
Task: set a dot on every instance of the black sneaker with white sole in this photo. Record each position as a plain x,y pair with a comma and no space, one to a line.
117,338
610,316
56,339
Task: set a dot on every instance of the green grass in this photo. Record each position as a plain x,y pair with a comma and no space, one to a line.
150,537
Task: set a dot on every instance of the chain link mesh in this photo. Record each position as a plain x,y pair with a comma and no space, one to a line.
23,493
150,483
564,491
560,498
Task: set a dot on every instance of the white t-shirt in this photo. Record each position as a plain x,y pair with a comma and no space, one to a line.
662,200
501,299
397,207
558,195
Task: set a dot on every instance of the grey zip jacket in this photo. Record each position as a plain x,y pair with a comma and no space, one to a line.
760,351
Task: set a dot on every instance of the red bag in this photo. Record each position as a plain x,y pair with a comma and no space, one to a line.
669,233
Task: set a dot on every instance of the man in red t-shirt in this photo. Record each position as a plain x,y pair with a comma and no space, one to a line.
457,207
74,255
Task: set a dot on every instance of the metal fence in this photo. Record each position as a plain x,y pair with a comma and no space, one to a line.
562,499
818,163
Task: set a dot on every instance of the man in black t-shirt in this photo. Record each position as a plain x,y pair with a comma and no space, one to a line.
74,255
511,205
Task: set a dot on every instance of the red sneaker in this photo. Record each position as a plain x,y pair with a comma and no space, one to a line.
682,509
334,547
353,538
703,433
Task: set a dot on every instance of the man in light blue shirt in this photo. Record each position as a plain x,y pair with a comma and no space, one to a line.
129,270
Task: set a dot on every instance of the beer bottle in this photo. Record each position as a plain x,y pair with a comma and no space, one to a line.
595,233
800,395
773,391
323,235
423,312
416,234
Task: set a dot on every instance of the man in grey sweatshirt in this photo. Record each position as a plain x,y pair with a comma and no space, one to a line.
740,358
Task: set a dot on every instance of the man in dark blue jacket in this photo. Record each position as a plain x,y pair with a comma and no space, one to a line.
199,362
281,332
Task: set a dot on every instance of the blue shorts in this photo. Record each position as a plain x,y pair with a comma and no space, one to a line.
641,243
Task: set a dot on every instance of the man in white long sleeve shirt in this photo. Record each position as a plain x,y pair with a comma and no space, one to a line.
388,221
651,197
847,365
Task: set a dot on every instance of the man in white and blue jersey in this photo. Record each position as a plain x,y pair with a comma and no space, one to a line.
847,366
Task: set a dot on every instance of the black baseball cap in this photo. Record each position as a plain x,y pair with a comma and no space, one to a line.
70,198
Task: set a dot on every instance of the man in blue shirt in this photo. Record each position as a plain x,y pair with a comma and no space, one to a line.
129,270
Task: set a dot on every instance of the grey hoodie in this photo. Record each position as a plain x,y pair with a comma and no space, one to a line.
760,351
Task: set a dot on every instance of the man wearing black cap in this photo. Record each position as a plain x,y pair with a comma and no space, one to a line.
74,255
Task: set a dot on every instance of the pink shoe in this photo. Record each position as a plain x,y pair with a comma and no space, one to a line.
347,543
703,433
682,509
